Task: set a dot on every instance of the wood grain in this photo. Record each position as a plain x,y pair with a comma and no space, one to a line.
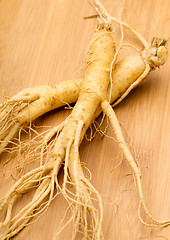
45,42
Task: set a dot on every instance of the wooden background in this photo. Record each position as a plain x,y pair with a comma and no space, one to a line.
45,42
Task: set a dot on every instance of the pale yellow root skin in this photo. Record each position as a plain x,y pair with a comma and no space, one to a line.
92,93
93,90
38,100
126,72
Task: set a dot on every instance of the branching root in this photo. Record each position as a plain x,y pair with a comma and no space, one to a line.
43,180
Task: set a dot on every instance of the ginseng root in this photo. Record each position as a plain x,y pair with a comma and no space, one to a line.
105,83
30,104
94,88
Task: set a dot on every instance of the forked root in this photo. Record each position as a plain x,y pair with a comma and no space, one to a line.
85,217
107,109
41,178
31,103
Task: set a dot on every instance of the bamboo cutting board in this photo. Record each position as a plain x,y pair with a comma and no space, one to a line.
45,42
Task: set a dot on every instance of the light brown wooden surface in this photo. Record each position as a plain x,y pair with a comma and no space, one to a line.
45,42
